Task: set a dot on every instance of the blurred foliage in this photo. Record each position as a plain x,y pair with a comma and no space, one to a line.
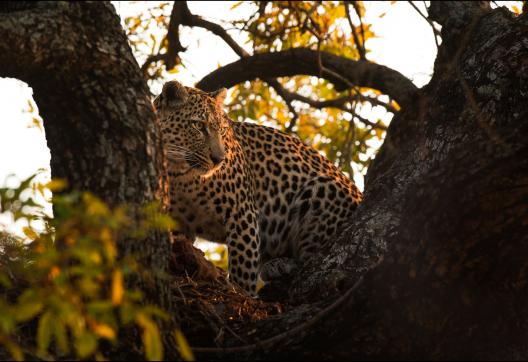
66,283
216,254
331,26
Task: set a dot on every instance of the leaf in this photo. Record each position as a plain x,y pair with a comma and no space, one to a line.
127,313
30,233
94,206
27,311
155,311
44,331
183,346
237,4
101,306
5,281
85,345
59,330
103,330
151,338
515,9
13,349
117,287
56,185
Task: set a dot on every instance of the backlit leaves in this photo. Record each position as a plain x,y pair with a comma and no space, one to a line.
279,25
69,281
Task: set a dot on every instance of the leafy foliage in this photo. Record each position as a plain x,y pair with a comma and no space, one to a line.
68,282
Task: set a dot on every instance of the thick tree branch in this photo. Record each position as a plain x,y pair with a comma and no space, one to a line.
100,125
338,70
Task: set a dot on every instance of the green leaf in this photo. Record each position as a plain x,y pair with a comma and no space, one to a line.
59,330
26,311
101,306
86,345
5,281
127,313
44,331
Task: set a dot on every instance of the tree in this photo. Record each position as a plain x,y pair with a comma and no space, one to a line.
432,266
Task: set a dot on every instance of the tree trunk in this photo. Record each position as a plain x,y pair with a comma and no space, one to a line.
99,122
439,244
442,234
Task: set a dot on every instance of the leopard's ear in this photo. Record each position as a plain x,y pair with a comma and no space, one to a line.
219,95
173,95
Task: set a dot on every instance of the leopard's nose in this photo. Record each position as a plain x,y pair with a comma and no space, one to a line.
217,159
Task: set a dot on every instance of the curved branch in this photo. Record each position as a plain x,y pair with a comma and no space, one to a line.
182,15
189,19
338,70
339,102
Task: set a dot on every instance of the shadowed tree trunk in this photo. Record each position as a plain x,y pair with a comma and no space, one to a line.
437,250
99,121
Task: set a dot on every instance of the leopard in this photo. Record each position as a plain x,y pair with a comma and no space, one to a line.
263,192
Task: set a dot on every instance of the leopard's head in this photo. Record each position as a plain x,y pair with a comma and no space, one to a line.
194,128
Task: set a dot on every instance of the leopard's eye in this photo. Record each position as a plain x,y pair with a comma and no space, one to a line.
200,126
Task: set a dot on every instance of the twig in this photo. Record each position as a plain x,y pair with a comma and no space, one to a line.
356,9
435,31
360,46
270,342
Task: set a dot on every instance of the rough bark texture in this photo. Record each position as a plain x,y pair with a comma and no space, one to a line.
99,121
442,233
440,240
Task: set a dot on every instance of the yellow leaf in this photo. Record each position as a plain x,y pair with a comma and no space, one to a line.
14,349
151,338
260,283
183,346
108,244
237,4
56,185
94,206
516,10
117,287
29,232
103,330
31,109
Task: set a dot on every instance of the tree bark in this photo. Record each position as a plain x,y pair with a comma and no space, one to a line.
99,122
441,236
344,73
439,244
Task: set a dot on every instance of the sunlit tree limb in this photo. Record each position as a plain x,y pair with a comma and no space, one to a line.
303,61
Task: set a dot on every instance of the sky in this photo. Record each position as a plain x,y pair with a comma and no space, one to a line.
404,42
